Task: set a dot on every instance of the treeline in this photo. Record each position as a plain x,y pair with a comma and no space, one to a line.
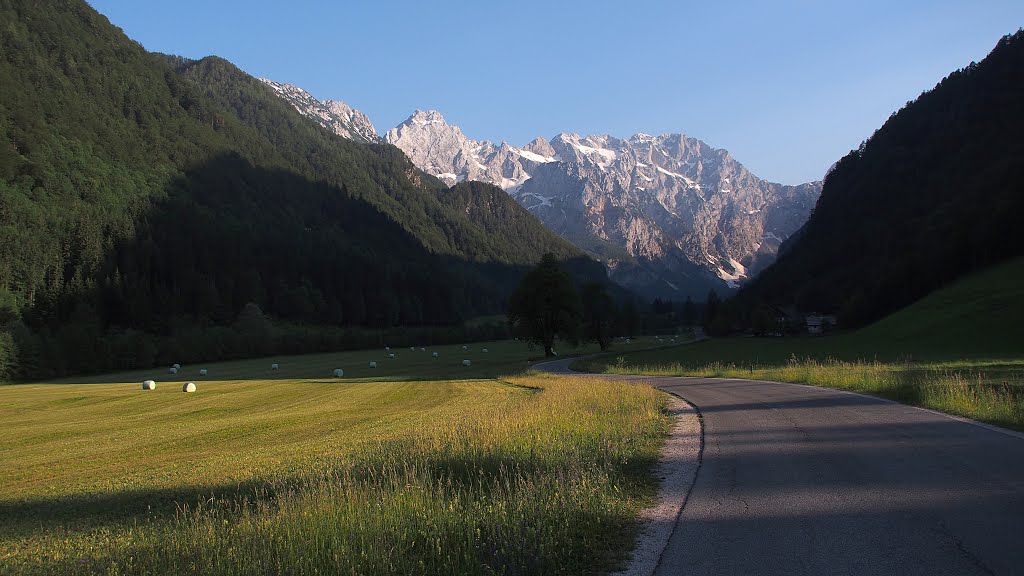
83,346
548,305
935,193
149,199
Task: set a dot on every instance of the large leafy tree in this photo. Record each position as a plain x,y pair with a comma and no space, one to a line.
545,306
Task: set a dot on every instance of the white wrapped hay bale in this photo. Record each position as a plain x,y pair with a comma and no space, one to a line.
392,355
423,349
188,387
466,363
338,372
373,364
203,372
484,350
148,385
172,370
465,347
274,366
434,354
412,348
387,348
176,366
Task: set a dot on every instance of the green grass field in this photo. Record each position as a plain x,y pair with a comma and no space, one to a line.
959,350
421,466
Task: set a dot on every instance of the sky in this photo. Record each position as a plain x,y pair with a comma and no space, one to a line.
788,87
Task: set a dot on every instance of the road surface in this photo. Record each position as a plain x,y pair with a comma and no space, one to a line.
802,480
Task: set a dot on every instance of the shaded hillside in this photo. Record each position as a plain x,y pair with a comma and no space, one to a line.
980,315
147,194
935,193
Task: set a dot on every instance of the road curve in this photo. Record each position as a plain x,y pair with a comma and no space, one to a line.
803,480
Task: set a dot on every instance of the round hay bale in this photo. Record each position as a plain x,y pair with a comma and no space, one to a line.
412,348
423,349
176,365
373,364
188,387
435,354
338,372
203,372
274,366
387,348
466,363
392,355
172,370
148,385
484,350
465,348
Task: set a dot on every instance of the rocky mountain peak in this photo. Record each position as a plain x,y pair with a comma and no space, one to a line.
426,117
436,147
540,146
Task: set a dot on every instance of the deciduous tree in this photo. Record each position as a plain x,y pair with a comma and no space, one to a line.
545,306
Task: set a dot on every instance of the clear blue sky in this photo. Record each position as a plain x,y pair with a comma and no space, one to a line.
787,87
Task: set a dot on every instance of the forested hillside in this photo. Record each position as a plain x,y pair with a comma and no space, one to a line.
935,193
147,200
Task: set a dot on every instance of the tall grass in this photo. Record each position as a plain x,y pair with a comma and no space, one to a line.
986,391
548,483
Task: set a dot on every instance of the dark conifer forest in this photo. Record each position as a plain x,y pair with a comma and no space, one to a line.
147,200
937,192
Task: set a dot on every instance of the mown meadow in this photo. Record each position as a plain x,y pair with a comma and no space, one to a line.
426,467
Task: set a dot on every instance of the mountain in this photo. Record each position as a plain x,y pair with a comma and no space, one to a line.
669,215
934,194
155,209
333,115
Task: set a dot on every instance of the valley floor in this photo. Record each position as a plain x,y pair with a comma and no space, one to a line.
419,466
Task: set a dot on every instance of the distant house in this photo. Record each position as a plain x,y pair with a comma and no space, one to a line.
819,323
787,320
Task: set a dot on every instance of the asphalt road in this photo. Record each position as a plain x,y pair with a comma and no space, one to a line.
802,480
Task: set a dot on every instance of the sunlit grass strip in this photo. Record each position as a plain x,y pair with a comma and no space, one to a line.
995,396
549,484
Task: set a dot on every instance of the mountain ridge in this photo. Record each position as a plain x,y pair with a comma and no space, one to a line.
334,115
660,211
663,213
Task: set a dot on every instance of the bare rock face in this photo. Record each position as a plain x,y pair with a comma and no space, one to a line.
333,115
669,215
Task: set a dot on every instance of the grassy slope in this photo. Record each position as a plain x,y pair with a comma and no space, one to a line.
981,315
958,350
295,468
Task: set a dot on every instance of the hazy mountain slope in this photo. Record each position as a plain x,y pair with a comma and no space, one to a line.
935,193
